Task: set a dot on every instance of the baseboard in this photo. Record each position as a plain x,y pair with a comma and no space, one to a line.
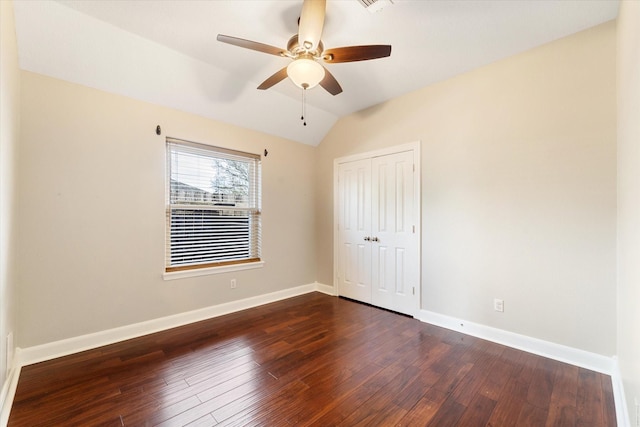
40,353
8,393
326,289
622,411
562,353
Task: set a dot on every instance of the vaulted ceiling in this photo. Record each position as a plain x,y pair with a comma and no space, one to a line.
165,51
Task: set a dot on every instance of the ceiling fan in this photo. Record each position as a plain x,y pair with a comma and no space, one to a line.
306,51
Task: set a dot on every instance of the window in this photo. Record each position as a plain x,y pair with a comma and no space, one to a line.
213,206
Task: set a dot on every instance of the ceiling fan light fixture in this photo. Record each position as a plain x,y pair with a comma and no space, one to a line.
305,73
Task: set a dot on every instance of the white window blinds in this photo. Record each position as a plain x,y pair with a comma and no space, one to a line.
213,206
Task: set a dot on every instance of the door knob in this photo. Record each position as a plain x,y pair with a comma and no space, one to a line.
367,239
375,239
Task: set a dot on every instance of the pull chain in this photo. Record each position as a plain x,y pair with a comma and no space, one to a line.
304,104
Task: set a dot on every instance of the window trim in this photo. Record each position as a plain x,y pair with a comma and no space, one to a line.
214,267
195,272
211,264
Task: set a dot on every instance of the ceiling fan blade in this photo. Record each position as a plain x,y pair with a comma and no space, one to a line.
311,23
248,44
275,78
356,53
330,84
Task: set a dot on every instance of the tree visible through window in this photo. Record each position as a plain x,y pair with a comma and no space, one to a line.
213,206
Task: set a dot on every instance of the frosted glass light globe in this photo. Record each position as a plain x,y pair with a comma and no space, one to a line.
305,73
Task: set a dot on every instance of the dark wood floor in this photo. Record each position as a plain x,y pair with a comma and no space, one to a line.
310,360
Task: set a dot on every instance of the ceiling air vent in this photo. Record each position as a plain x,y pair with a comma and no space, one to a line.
375,5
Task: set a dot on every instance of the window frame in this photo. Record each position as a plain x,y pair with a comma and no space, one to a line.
175,146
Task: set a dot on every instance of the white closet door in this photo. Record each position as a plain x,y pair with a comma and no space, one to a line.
354,222
394,276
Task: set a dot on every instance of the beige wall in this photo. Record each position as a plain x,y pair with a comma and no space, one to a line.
9,135
518,189
629,201
92,212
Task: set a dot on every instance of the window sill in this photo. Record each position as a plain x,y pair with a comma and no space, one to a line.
211,270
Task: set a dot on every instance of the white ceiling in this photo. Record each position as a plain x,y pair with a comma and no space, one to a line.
165,51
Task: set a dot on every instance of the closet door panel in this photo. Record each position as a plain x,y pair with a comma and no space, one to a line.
393,232
354,225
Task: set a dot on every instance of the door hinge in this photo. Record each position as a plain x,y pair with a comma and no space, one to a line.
414,167
414,290
414,229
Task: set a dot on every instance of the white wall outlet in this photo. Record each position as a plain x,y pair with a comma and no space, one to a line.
498,305
233,283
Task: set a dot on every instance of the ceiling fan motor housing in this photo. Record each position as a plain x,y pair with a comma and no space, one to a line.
295,49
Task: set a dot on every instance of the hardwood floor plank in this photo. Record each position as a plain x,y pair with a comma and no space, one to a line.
424,380
206,421
494,383
379,409
469,386
424,410
450,380
218,374
509,404
448,414
311,360
253,378
590,408
531,416
264,404
478,412
326,394
347,403
541,387
609,405
562,404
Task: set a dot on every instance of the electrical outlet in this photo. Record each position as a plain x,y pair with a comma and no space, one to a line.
233,283
498,305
